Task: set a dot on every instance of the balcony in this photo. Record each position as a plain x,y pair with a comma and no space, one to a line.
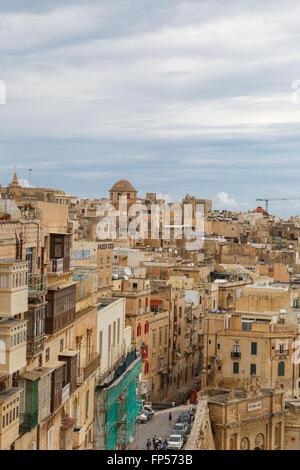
9,416
12,345
65,394
35,329
66,434
85,372
282,352
78,436
37,283
61,307
58,265
235,355
13,288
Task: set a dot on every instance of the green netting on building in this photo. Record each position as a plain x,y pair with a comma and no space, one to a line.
118,406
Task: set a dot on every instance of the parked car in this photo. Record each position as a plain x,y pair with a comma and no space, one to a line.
179,432
148,410
185,427
175,442
142,418
184,417
147,413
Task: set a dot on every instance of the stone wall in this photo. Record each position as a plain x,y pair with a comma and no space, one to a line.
201,437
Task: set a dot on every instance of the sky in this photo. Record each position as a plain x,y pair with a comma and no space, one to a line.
198,97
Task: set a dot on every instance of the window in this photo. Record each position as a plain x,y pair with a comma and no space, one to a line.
154,336
47,354
139,330
218,345
235,367
109,337
253,348
87,404
281,369
2,351
118,334
100,342
114,334
50,439
3,281
61,345
252,369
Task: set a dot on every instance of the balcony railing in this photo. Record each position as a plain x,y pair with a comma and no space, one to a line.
85,372
283,352
235,354
37,283
58,265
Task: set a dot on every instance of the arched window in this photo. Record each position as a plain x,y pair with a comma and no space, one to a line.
281,369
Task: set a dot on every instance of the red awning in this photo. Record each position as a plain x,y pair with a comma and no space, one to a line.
155,303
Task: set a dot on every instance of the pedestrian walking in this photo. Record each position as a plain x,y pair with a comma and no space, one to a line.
148,444
154,441
170,418
165,445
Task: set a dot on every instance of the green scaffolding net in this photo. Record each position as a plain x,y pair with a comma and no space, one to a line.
117,408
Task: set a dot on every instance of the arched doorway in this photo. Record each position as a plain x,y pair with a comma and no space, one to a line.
259,442
245,444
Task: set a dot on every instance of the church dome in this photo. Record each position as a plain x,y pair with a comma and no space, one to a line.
123,186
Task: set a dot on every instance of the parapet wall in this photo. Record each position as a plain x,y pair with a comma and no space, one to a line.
201,437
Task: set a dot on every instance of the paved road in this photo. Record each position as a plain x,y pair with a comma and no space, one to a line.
158,425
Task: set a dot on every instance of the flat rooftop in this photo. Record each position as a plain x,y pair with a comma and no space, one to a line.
8,393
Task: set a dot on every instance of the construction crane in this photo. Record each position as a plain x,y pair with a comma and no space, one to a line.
266,200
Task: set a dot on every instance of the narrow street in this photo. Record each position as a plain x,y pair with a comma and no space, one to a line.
158,425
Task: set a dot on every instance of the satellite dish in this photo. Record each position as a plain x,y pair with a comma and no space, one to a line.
127,271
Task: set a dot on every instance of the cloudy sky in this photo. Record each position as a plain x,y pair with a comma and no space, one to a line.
178,96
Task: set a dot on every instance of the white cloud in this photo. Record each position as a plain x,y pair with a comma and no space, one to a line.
223,201
24,183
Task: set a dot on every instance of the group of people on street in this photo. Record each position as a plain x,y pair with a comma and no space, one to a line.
157,443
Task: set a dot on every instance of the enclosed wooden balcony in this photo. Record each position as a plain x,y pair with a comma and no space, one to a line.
37,284
13,287
36,397
61,307
12,345
35,329
9,416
